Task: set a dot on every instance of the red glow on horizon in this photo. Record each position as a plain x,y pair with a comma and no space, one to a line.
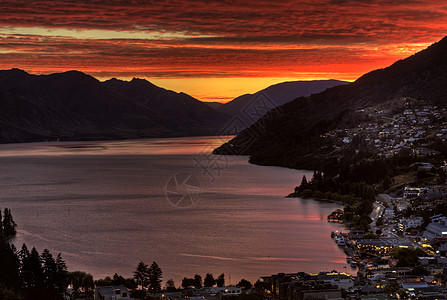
201,40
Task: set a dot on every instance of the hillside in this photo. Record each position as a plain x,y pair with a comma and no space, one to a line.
76,106
292,135
278,94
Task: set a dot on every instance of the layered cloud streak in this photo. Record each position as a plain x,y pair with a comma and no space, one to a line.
177,39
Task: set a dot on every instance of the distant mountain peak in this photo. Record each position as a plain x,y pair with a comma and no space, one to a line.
278,94
18,70
15,72
113,79
136,79
142,82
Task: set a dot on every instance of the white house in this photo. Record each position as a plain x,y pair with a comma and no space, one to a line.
111,293
412,192
225,291
388,213
414,222
341,283
436,229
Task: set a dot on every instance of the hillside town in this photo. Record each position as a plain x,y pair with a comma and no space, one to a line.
402,257
402,252
409,125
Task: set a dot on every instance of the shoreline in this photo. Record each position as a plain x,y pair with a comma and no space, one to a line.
317,199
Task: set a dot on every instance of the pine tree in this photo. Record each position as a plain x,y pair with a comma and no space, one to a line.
170,285
61,279
197,281
304,181
35,267
25,272
221,280
209,280
1,226
49,269
9,226
155,275
141,275
9,266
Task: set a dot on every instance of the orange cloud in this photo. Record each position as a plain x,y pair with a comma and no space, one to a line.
201,39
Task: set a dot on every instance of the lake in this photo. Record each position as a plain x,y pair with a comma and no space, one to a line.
108,205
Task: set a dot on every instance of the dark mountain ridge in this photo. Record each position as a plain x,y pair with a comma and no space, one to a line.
277,95
290,135
76,106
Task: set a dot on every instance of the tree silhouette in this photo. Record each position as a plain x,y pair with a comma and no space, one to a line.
304,181
61,279
9,266
25,271
49,269
35,267
197,281
7,225
170,285
141,275
155,275
209,280
1,226
81,281
244,284
187,282
28,274
220,281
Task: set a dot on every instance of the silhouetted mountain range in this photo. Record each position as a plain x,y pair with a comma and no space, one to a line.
76,106
290,135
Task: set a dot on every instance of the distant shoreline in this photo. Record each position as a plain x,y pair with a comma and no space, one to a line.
317,199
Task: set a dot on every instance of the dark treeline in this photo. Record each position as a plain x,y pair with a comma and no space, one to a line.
209,281
27,274
354,180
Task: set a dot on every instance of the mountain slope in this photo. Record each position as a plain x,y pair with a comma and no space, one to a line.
281,93
179,106
76,106
290,135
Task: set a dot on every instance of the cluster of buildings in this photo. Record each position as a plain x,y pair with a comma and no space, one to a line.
405,222
398,129
405,215
299,286
334,285
378,276
206,293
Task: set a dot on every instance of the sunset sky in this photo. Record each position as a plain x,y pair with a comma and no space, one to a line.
216,50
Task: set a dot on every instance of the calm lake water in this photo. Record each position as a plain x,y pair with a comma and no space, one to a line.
108,205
